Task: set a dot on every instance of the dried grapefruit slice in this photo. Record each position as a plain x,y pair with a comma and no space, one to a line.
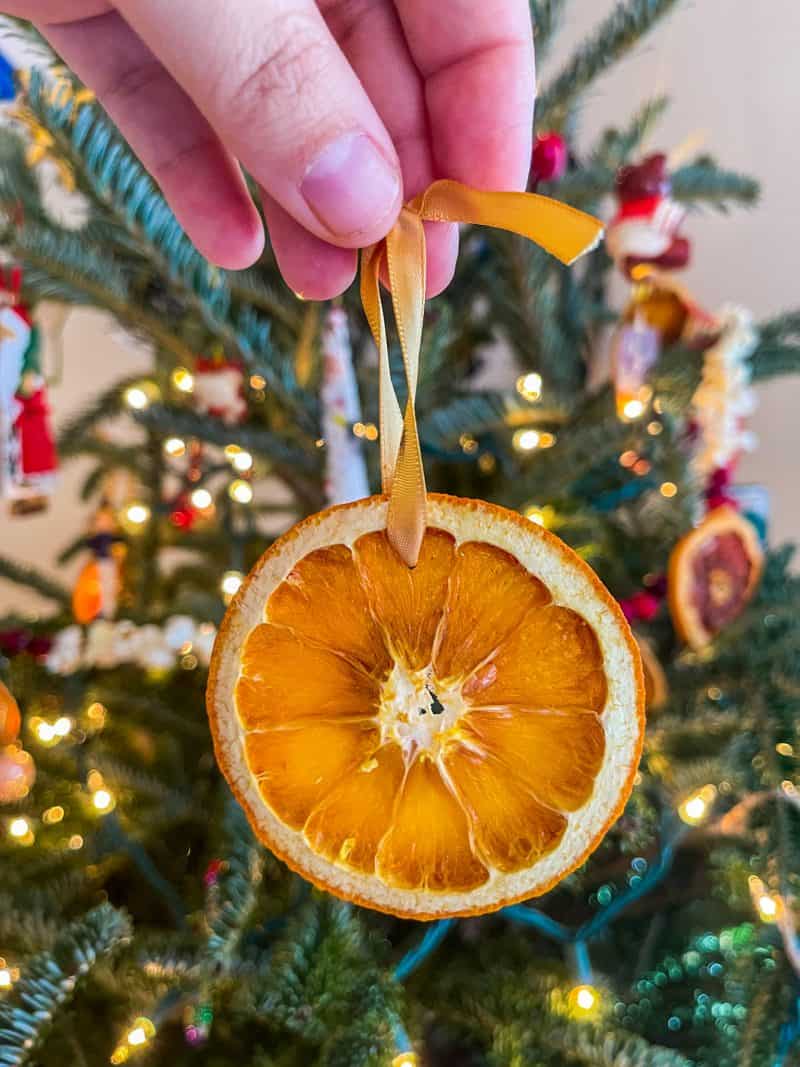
713,573
442,741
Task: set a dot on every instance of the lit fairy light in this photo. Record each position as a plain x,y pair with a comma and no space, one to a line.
668,489
140,1032
257,381
201,499
768,905
406,1059
102,801
240,491
137,514
529,386
20,830
634,409
5,979
174,447
242,461
526,440
62,726
231,581
695,809
183,380
53,815
584,1000
138,397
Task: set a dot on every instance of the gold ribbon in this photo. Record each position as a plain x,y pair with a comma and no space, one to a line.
560,229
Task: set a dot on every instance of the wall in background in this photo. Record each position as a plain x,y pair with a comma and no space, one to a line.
730,69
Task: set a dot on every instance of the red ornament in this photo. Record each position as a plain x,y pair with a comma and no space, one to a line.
211,877
38,460
645,228
641,607
550,158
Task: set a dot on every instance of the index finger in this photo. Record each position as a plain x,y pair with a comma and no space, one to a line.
480,86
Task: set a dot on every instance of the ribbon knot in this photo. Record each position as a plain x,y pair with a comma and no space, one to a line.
561,230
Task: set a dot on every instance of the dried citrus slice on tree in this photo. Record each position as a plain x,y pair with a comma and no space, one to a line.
713,573
441,741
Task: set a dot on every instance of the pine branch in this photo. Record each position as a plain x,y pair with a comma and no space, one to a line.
233,900
596,1046
704,182
778,349
104,405
49,981
546,16
21,574
613,39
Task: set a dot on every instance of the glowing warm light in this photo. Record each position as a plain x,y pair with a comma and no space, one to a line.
201,499
768,905
5,978
668,489
526,440
370,431
406,1059
137,1036
654,428
75,842
19,827
183,380
547,440
45,732
136,398
627,459
53,815
535,514
137,514
242,461
633,409
257,382
103,801
695,809
583,1000
359,429
96,714
175,447
529,386
94,780
240,491
231,580
468,443
62,726
783,748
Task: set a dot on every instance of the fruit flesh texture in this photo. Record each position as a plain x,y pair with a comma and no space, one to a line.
424,726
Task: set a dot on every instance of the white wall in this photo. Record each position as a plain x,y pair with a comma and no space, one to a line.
731,68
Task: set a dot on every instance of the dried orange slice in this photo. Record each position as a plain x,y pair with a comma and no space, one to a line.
9,717
434,742
713,573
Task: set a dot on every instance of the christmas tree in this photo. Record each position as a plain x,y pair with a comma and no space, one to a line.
142,920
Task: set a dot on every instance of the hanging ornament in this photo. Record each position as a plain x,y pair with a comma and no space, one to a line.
550,158
345,468
713,573
724,399
656,688
635,352
98,585
219,389
9,717
17,773
645,227
197,1020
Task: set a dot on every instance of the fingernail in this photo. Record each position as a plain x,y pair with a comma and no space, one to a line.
350,186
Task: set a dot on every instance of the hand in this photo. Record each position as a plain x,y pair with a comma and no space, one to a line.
340,110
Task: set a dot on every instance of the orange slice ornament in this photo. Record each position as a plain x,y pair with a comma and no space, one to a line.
435,741
713,572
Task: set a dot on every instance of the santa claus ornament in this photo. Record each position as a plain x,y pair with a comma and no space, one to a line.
219,389
28,460
97,589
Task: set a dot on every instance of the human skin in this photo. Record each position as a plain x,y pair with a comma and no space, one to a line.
340,110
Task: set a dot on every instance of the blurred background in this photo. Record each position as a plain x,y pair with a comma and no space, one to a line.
730,70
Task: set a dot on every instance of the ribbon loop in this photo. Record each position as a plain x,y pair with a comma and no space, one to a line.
560,229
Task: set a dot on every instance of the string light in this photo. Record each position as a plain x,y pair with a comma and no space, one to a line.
6,980
242,461
783,748
140,397
141,1031
529,386
370,431
174,447
137,514
468,443
696,808
668,489
257,381
240,491
768,905
75,842
96,714
526,440
53,815
103,801
183,380
641,466
584,1000
231,581
654,428
201,499
627,459
406,1059
359,429
633,409
20,830
487,464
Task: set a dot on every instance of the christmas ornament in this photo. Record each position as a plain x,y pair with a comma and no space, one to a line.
27,454
345,469
713,573
379,724
97,588
636,349
9,716
17,773
550,158
219,389
109,644
724,398
645,227
656,688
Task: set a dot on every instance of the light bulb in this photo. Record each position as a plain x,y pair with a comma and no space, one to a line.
103,801
175,447
695,809
45,732
62,726
242,461
668,489
526,440
201,499
183,380
633,409
529,386
535,514
406,1059
136,398
231,580
19,827
583,1000
257,381
5,978
240,491
137,514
